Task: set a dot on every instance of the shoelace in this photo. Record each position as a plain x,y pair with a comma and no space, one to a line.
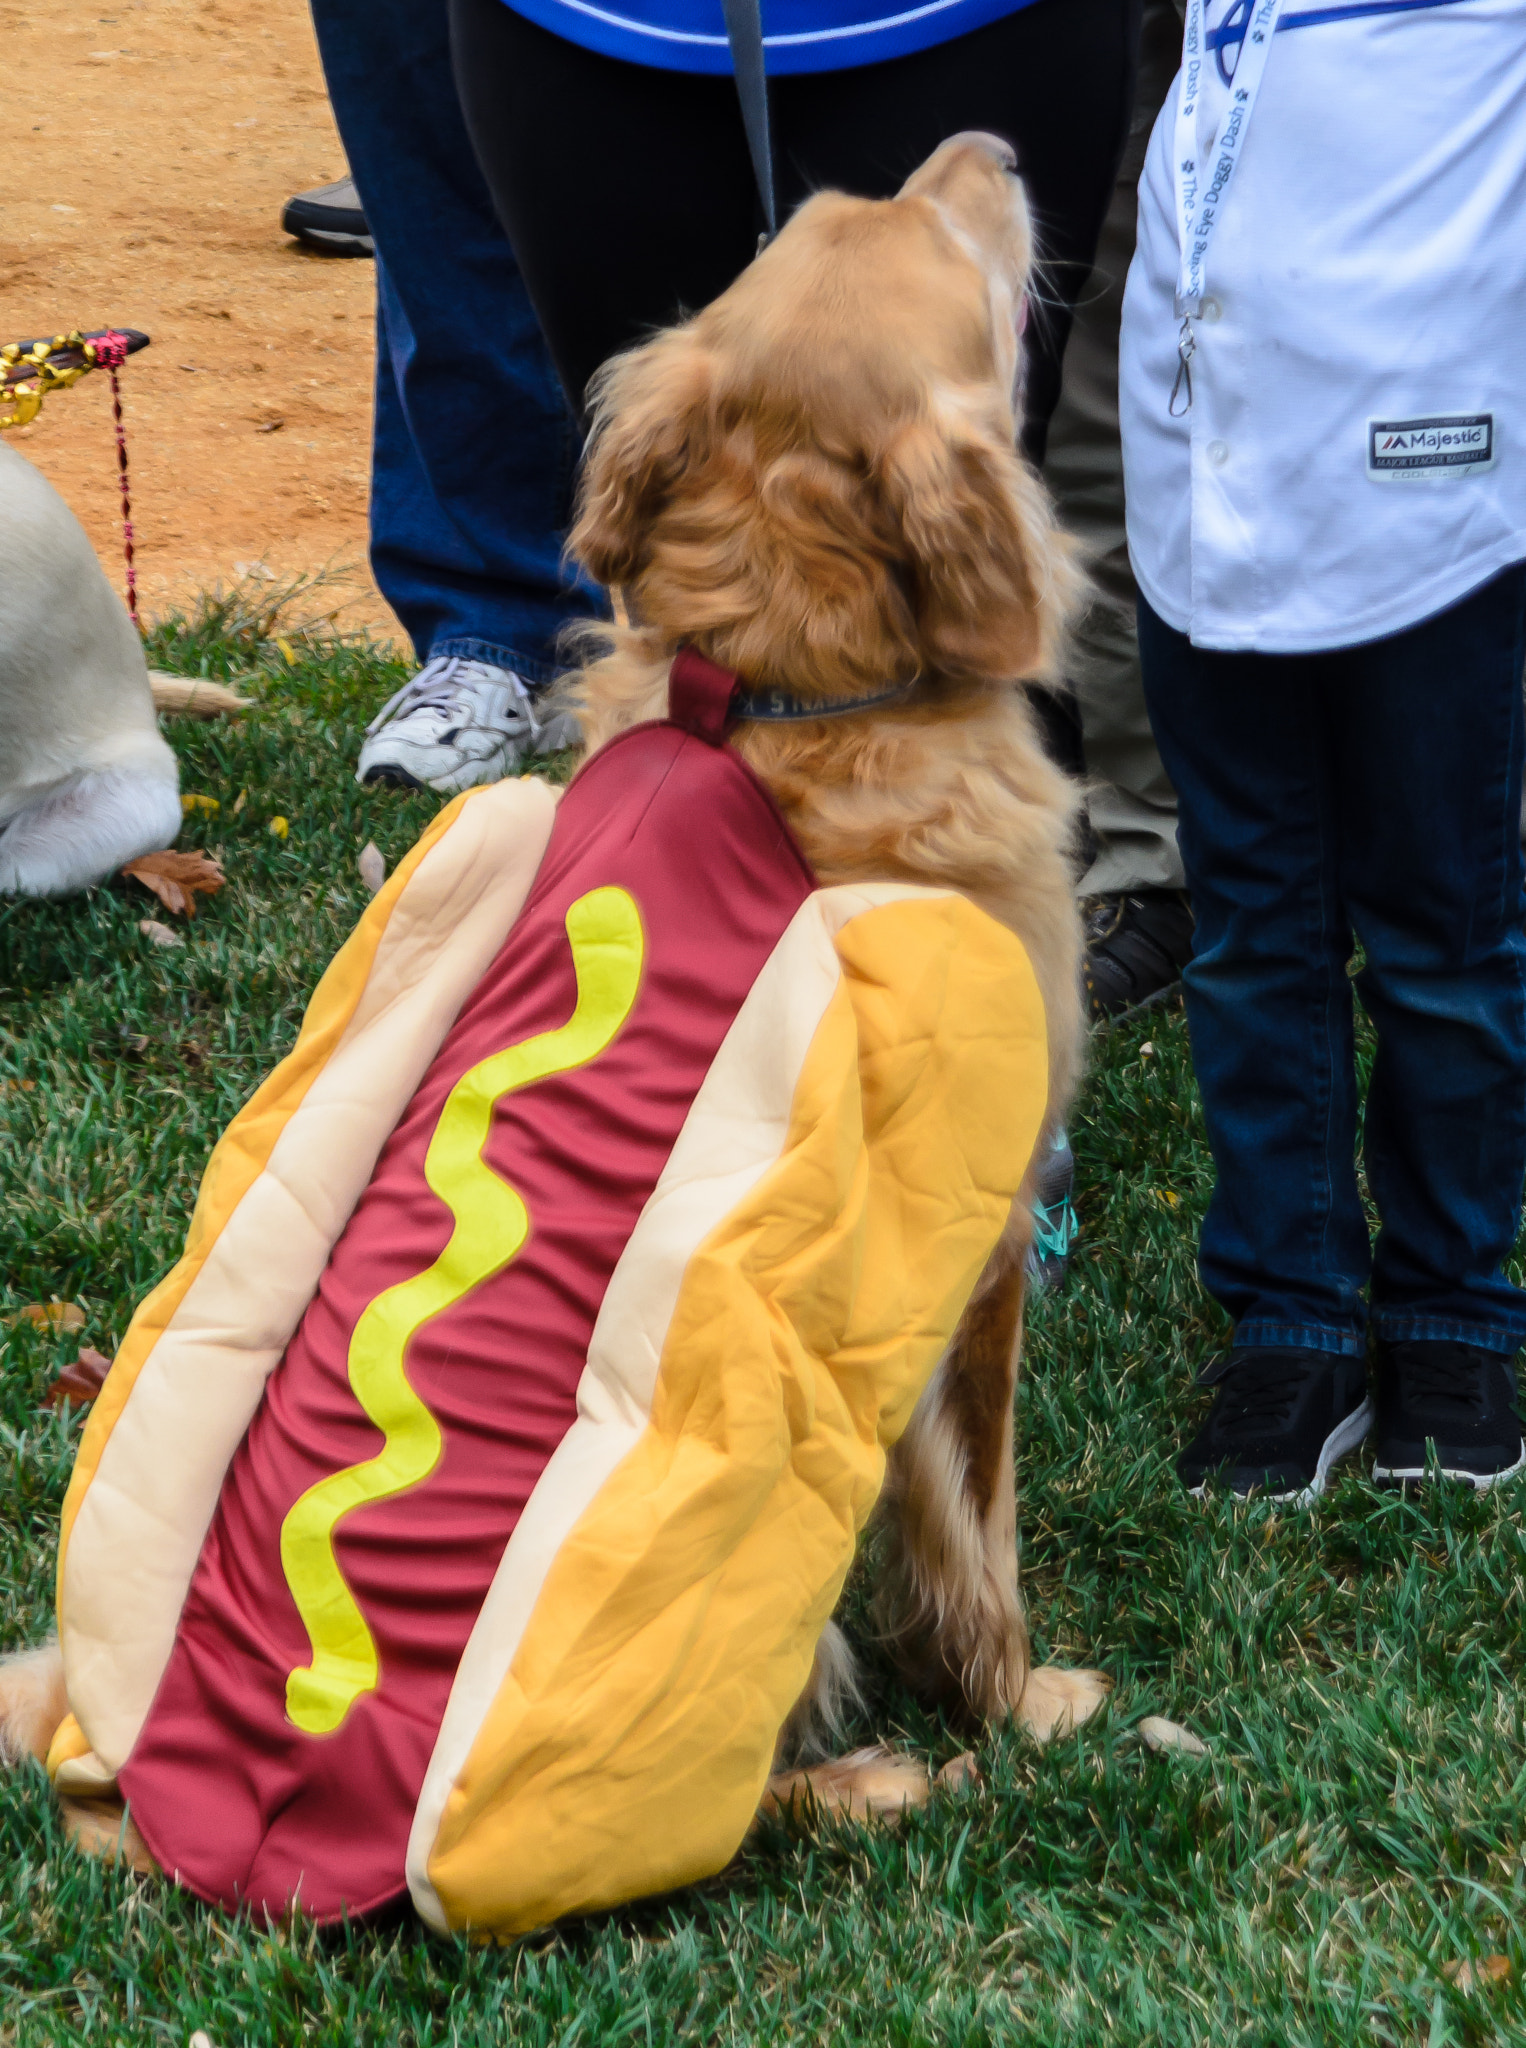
438,685
1263,1392
1104,917
1443,1372
1140,954
1056,1227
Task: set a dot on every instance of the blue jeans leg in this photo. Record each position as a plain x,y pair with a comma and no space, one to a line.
1375,791
1428,740
474,448
1284,1247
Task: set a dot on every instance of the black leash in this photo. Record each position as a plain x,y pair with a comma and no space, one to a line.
744,32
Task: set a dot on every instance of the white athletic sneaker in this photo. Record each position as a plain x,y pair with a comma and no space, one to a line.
457,723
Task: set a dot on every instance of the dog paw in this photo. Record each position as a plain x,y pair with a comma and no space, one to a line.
1161,1735
867,1782
1055,1701
101,1827
960,1774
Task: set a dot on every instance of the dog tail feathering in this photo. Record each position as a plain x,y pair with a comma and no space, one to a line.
194,696
32,1701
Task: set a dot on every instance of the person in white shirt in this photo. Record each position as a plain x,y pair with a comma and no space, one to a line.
1323,404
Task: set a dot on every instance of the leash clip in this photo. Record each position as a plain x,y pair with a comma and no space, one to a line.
1186,349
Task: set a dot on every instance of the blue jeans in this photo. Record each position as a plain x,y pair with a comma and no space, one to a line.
474,448
1372,793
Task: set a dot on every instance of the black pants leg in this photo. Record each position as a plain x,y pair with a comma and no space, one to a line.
628,193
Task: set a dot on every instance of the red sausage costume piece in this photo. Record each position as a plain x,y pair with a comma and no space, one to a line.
691,835
461,1514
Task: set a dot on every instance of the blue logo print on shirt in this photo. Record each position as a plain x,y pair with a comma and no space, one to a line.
1228,39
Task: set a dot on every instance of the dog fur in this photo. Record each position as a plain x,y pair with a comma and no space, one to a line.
815,483
87,783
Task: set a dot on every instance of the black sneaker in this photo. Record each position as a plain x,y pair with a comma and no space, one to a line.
1136,947
1449,1410
329,218
1279,1422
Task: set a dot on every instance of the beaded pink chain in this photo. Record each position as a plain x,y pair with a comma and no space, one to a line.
110,354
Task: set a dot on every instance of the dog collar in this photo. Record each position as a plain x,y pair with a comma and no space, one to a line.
704,698
781,706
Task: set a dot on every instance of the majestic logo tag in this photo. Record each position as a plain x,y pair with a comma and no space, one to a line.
1448,444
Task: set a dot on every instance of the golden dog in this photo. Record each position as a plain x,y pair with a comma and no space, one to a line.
815,483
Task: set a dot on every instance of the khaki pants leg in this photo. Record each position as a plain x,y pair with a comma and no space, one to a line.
1131,806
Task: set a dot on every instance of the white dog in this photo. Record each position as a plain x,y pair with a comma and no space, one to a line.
87,782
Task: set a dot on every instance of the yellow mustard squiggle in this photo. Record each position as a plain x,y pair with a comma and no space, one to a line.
491,1225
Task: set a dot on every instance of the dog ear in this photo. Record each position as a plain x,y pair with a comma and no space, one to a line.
650,424
993,578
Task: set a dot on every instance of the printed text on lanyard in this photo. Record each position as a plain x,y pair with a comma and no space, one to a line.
1200,200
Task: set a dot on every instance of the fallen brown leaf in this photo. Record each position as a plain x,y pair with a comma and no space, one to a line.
78,1384
160,934
372,865
177,879
67,1316
1471,1974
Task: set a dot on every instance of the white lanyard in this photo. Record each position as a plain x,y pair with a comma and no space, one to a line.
1200,202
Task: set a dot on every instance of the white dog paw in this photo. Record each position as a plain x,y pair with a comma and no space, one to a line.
867,1782
86,831
1055,1701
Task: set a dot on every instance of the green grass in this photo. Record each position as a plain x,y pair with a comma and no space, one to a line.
1356,1825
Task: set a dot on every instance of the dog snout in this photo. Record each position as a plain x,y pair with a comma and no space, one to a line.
954,161
990,145
972,180
974,141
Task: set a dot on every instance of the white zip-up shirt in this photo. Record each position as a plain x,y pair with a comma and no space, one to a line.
1360,351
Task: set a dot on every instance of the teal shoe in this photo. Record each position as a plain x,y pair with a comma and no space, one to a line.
1056,1225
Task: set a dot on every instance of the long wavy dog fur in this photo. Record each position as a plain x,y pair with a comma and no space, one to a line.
815,482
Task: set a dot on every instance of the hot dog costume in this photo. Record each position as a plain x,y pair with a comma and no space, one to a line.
460,1515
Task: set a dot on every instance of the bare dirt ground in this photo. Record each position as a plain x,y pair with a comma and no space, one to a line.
149,152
